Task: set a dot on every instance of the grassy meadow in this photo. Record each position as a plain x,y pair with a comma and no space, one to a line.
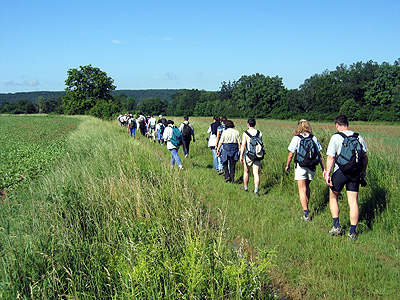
110,219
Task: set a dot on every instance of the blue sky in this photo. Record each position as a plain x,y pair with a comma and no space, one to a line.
189,44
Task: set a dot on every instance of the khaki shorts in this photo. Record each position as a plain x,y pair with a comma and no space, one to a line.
301,173
249,162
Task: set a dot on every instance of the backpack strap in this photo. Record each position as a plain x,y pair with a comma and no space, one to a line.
250,136
355,134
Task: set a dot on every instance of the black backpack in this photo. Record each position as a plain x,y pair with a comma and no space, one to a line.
186,130
307,153
351,157
256,149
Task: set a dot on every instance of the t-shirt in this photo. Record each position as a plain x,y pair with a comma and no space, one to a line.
230,135
295,143
335,145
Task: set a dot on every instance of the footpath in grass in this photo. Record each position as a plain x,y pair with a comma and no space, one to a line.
310,264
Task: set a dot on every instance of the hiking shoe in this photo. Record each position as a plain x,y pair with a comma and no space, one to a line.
353,236
304,218
335,231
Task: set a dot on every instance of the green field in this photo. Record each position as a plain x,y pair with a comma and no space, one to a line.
107,218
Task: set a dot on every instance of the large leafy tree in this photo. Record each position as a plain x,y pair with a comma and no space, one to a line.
87,87
257,95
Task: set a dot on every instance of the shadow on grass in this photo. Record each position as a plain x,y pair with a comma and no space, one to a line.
373,204
321,201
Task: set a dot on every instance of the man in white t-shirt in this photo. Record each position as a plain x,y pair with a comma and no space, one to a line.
339,179
246,161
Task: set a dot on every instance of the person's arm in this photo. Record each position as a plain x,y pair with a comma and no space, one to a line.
365,163
242,147
289,159
330,161
321,162
194,140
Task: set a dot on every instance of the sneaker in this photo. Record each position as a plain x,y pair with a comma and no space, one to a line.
335,231
220,172
353,236
304,218
256,194
243,189
180,168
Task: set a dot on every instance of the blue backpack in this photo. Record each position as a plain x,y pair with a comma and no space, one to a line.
351,156
176,138
307,153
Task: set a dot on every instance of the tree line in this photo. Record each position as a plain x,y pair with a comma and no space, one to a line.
363,91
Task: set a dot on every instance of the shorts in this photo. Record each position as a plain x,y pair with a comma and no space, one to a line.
250,162
339,180
301,173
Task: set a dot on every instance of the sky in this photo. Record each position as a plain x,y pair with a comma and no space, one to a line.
183,44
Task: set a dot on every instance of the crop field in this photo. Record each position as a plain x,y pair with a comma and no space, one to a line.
109,218
29,145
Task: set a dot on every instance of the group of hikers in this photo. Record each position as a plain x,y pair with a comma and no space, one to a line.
346,157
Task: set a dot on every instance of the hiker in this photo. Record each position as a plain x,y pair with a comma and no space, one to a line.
251,155
230,141
151,128
221,128
141,121
212,143
347,156
159,132
187,131
170,135
163,120
132,126
308,155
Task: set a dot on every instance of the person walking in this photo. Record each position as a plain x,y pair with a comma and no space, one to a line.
230,141
141,121
132,126
167,136
247,160
151,128
349,169
308,155
159,132
187,131
212,142
220,129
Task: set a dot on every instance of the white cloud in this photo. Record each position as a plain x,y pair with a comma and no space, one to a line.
31,82
116,42
165,38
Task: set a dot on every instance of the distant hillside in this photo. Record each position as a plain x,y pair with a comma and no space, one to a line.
139,95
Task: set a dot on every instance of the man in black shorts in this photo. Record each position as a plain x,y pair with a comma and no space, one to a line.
339,180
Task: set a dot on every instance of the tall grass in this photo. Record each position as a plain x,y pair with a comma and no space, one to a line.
114,222
311,264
